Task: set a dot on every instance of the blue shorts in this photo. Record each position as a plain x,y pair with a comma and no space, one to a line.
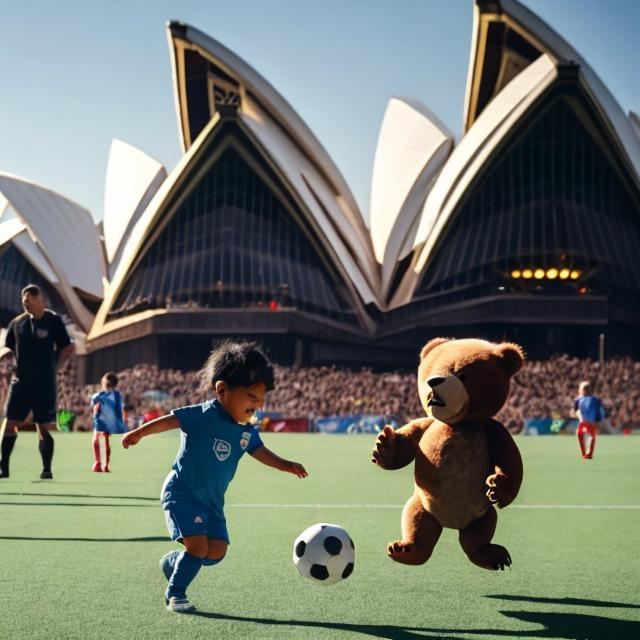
190,518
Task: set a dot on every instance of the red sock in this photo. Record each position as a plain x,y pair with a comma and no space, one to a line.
96,448
107,451
587,438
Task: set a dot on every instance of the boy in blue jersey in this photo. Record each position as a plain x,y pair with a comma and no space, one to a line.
108,418
214,436
590,413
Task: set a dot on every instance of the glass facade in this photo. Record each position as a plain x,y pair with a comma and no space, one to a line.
553,203
15,273
233,244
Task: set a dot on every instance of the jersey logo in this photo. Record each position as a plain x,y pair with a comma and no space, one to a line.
222,449
198,520
244,439
42,333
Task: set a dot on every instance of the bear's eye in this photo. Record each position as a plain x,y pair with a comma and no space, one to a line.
461,376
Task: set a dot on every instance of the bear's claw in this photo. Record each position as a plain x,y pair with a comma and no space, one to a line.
383,454
492,556
407,552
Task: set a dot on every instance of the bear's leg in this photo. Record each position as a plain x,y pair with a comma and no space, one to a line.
475,540
420,532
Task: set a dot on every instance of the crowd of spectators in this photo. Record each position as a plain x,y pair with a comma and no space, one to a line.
542,389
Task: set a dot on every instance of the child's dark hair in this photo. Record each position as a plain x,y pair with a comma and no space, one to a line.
32,289
111,379
239,364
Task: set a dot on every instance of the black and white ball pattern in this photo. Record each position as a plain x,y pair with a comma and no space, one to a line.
324,553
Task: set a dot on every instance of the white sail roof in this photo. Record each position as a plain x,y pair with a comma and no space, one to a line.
470,157
62,228
9,229
16,232
31,251
412,147
541,36
318,197
501,114
258,96
66,235
296,170
132,179
148,219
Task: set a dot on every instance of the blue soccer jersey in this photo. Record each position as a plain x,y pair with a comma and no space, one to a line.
109,418
212,444
590,409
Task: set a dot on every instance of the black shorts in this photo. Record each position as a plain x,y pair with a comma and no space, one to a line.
38,398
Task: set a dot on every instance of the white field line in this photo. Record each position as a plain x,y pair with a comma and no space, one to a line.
400,506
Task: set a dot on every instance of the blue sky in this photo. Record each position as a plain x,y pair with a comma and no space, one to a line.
77,74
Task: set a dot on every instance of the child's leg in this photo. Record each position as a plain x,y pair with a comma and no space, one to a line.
187,565
168,562
587,438
96,451
8,437
107,452
218,538
216,552
593,430
581,433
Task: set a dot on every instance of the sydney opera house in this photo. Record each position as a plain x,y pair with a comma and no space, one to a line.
527,228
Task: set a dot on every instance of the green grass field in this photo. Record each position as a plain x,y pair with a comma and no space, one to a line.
80,553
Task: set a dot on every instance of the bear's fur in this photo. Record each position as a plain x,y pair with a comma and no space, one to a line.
465,461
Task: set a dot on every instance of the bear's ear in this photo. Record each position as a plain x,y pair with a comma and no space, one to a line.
512,357
432,344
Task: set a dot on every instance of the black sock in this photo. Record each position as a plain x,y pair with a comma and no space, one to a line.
46,450
5,450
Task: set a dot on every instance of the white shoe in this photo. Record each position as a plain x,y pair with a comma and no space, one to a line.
179,605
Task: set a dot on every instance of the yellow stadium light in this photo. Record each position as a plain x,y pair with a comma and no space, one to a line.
564,274
516,273
538,274
527,273
552,274
575,274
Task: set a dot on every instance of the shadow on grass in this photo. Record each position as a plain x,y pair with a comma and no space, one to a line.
57,482
74,504
76,495
65,539
377,631
569,601
556,625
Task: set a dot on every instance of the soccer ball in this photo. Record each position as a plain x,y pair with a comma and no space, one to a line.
324,553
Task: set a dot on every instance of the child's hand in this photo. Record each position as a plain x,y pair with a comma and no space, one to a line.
131,438
297,469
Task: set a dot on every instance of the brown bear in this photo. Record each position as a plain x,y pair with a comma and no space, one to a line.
459,451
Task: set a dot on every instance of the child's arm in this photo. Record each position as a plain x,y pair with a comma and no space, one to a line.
266,456
165,423
95,404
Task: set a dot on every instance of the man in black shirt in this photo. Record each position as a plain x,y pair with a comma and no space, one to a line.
41,344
